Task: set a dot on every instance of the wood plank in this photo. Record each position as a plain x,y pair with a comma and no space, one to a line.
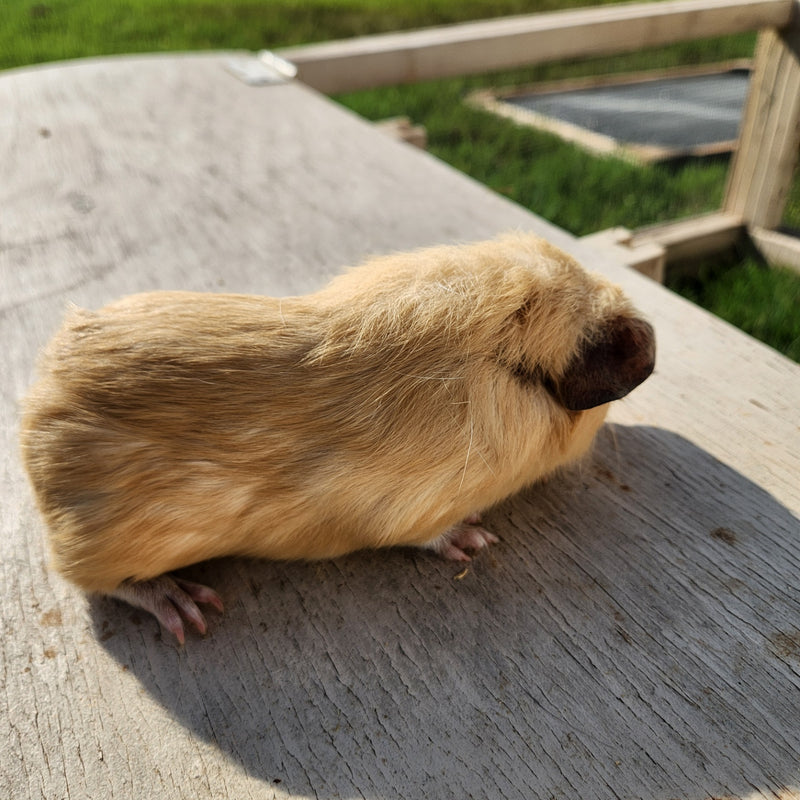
648,258
777,248
402,129
475,47
636,633
693,237
762,169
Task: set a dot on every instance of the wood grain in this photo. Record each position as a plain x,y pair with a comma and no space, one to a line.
636,634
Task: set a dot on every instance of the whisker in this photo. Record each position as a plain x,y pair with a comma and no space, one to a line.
469,450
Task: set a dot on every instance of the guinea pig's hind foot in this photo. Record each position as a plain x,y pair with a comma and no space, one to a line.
467,535
171,601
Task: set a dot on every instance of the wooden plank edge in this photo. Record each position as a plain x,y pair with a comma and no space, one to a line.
694,237
487,45
777,249
647,258
597,143
605,80
403,129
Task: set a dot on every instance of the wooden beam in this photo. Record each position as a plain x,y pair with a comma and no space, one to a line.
488,45
647,258
778,249
691,238
403,130
762,170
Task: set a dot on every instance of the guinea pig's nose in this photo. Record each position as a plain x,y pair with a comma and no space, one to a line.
609,365
634,342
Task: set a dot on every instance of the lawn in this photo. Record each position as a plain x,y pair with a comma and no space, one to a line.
578,191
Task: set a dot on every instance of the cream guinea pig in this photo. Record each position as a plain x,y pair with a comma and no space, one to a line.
389,408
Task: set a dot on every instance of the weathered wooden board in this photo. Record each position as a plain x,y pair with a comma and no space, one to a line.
636,634
487,45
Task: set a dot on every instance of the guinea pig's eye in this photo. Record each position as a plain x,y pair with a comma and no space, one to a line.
528,376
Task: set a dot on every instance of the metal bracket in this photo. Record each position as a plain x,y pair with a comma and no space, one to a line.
263,69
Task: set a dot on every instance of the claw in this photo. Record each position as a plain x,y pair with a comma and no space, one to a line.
171,601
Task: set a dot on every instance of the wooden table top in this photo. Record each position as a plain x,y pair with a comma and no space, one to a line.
636,634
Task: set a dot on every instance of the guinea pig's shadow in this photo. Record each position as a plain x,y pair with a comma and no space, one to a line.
605,630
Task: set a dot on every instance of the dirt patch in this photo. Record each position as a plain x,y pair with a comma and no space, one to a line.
786,644
724,535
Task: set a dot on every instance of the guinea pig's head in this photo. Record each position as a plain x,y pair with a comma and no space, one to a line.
575,332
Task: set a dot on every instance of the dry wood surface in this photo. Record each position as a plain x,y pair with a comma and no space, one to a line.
636,633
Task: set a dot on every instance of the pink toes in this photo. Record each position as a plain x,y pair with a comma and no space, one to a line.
467,535
171,601
200,593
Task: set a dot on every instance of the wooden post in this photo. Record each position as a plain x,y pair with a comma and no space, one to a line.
763,167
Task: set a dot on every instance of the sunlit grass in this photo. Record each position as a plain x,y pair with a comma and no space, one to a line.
566,185
763,301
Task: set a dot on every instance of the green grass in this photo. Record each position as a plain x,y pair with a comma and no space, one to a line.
563,183
763,301
575,190
791,214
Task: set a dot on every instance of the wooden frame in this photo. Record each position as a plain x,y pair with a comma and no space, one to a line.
497,101
767,150
761,172
762,169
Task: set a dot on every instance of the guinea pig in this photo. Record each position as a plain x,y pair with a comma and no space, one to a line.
389,408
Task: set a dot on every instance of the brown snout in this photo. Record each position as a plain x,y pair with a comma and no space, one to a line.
609,366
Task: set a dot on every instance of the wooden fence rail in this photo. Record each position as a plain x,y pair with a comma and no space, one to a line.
762,169
474,47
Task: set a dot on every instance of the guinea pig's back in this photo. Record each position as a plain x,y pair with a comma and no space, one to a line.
138,436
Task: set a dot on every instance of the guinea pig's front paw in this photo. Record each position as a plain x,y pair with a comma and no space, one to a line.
171,601
467,535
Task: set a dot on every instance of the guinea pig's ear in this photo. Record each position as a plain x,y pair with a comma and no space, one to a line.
608,366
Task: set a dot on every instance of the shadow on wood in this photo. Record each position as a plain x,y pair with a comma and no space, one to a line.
652,652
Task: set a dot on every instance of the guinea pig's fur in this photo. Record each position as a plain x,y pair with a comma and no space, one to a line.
173,427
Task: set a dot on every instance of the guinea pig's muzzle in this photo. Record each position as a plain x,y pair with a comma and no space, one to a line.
608,366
